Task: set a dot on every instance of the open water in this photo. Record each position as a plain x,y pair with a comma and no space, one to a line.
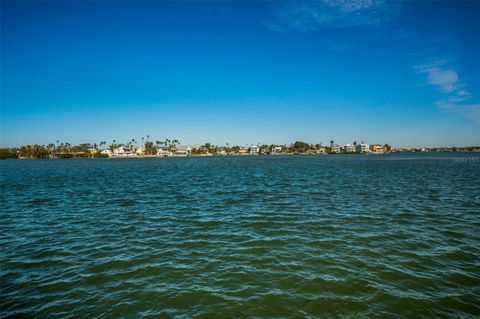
333,236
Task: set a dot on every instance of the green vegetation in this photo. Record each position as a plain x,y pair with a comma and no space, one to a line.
300,147
8,153
98,154
150,148
33,151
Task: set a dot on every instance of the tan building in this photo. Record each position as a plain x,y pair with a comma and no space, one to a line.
335,148
377,149
242,151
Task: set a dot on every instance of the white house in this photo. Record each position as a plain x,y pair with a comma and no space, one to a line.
335,148
107,152
276,149
163,152
254,149
123,151
183,151
349,148
363,148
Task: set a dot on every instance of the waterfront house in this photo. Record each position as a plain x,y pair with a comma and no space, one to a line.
182,151
163,152
107,152
350,148
335,149
254,149
139,150
163,148
242,151
123,151
276,149
377,149
363,148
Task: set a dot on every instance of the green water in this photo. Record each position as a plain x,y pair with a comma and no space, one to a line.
393,236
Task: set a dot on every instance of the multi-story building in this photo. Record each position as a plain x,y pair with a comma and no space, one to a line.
254,149
182,151
377,149
363,148
123,151
164,152
276,149
349,148
334,148
139,150
107,152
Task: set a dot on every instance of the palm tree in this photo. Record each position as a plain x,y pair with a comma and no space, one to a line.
174,143
51,147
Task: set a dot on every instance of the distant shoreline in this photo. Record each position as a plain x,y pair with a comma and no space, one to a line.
171,148
242,155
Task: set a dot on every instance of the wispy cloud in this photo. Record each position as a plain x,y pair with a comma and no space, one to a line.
447,81
328,14
469,111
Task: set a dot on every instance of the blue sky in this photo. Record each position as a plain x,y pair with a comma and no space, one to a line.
403,73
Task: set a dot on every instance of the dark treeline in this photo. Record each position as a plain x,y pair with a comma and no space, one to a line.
50,151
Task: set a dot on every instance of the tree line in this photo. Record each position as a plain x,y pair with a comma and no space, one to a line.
67,150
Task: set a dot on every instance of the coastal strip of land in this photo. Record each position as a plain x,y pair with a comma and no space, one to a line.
172,148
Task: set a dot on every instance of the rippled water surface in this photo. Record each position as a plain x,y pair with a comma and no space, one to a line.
389,236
